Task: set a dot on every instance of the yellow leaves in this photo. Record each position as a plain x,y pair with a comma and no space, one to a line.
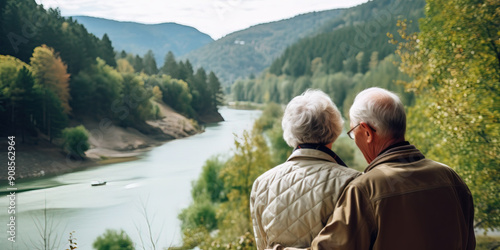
50,72
64,26
123,66
456,75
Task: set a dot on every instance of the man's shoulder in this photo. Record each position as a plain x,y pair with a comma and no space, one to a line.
390,177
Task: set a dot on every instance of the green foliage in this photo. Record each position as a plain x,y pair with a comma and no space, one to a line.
272,112
26,25
210,184
16,93
346,45
28,105
96,90
134,106
251,158
170,65
113,240
201,214
455,65
341,87
106,51
76,140
176,94
487,242
346,149
138,64
280,151
242,53
150,67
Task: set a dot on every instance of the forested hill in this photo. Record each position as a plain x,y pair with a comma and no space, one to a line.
351,52
349,42
138,38
54,74
249,51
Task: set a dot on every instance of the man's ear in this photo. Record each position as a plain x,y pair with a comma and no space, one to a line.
368,132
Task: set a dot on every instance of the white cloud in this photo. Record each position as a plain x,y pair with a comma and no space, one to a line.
214,17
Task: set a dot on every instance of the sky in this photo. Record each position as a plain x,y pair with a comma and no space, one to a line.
216,18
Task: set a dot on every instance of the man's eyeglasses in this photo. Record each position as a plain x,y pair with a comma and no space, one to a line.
351,134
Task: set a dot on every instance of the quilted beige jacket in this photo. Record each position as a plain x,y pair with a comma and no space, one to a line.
292,202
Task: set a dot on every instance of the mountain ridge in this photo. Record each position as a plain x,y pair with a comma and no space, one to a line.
138,38
251,50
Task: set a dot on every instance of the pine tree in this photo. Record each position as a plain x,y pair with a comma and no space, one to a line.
106,51
215,90
150,67
170,66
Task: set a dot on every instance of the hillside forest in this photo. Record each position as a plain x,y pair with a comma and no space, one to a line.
53,73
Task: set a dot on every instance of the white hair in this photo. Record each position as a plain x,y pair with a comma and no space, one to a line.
311,118
382,110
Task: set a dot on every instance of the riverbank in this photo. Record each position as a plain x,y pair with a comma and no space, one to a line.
108,144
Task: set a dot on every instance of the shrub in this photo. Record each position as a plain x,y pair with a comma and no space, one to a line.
113,240
76,140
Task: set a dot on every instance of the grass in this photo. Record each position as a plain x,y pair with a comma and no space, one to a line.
487,242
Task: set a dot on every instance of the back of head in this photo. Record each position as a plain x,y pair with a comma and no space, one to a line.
311,118
381,109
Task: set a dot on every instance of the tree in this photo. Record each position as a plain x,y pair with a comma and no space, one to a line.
97,90
52,83
198,87
215,90
251,158
170,65
150,67
123,66
24,98
134,104
176,94
50,72
16,83
455,63
106,51
138,64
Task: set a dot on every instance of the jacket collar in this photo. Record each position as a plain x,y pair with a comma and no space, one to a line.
323,153
402,154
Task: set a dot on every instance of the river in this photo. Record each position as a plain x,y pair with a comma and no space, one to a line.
157,186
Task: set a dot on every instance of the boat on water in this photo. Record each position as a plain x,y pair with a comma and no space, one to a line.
97,183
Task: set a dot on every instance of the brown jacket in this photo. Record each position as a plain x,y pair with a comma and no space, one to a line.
403,201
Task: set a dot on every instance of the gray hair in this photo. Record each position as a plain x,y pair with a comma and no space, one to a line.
382,110
311,118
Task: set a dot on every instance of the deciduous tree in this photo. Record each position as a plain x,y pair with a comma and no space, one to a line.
455,63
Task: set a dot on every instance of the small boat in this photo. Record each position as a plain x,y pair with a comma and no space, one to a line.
97,183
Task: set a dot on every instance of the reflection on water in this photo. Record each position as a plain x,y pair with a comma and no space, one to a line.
159,181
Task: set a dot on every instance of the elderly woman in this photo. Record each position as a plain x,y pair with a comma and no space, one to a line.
292,202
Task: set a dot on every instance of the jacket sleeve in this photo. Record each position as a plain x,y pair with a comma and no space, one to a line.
255,211
352,225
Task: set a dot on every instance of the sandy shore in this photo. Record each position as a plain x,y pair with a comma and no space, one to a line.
109,144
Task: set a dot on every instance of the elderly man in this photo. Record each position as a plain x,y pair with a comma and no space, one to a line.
292,202
403,200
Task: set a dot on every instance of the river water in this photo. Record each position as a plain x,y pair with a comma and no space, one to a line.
157,186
